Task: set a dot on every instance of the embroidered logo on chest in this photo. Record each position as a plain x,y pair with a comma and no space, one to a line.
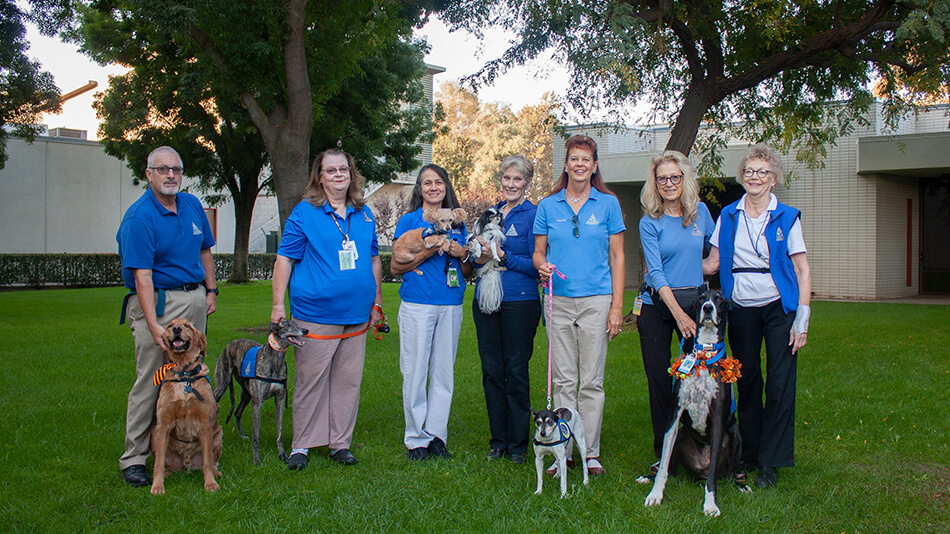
592,221
511,231
195,230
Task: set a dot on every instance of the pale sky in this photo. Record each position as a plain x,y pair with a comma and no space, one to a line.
459,53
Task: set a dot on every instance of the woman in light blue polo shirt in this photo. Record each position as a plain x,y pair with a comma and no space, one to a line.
579,232
329,258
430,318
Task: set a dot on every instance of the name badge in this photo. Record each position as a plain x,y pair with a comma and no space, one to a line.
687,365
637,306
351,246
452,277
347,260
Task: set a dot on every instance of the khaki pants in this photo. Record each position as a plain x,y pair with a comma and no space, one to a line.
578,356
140,414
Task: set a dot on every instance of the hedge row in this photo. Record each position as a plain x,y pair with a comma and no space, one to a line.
96,270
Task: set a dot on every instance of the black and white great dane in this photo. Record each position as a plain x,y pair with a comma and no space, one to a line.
708,445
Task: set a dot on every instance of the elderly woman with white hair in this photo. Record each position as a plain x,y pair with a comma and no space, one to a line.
506,336
674,232
758,242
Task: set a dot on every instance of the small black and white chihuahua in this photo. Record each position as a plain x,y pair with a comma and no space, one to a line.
556,432
489,228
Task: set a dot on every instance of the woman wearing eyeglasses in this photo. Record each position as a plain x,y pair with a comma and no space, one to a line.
578,231
758,243
329,259
674,231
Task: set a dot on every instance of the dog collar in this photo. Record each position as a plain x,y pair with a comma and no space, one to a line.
711,353
274,344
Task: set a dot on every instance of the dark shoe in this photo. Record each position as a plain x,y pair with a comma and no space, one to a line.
345,457
767,477
594,467
437,448
136,476
552,471
418,454
517,458
495,454
297,461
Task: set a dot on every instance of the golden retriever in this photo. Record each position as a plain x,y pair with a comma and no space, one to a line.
186,434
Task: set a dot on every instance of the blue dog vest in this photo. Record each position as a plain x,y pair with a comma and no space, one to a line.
249,365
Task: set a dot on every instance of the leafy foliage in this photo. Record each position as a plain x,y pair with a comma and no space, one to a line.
26,92
797,74
472,138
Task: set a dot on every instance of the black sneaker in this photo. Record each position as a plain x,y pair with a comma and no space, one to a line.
517,458
418,454
136,476
767,477
437,448
297,461
344,456
495,454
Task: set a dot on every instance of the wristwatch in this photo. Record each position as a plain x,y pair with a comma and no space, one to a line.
214,290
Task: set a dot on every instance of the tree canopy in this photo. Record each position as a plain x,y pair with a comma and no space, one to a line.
26,91
472,138
766,69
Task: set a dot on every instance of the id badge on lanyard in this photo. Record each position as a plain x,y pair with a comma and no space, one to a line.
348,256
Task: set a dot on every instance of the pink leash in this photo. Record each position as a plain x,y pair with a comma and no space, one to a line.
550,285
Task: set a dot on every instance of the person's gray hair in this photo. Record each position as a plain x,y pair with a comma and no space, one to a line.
151,155
524,166
761,152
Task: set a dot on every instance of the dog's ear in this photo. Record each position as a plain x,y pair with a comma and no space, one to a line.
199,339
458,215
429,216
563,413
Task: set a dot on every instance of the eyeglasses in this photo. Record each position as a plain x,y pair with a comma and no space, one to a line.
336,170
675,179
162,169
762,174
577,231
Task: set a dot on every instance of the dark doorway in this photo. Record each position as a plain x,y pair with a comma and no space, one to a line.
935,235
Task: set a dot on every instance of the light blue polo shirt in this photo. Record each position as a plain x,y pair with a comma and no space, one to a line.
585,259
320,292
674,253
168,243
431,287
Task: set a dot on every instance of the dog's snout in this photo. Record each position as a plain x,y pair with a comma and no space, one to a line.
707,306
176,329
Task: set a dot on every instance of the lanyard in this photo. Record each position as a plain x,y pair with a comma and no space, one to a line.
758,234
346,234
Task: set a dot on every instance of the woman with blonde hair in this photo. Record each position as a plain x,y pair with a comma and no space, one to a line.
674,231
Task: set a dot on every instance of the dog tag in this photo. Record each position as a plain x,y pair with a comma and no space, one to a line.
637,305
687,365
452,277
347,261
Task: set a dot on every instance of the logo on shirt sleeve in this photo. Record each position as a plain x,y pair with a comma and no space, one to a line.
194,229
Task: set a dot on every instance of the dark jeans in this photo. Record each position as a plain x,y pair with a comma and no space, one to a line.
505,344
656,335
768,432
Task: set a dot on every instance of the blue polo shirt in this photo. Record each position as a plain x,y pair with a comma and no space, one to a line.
674,254
585,259
169,243
320,292
431,287
519,281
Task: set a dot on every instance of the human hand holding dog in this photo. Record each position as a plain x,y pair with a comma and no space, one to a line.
277,313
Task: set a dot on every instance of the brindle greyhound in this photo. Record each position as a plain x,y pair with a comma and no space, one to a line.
260,377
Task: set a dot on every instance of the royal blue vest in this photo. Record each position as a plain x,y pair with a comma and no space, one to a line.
780,265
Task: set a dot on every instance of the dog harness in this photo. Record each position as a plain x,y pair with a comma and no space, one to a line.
187,377
249,364
563,429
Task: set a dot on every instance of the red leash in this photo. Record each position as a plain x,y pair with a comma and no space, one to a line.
381,328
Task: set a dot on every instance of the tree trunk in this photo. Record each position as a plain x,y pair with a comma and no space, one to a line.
243,213
689,120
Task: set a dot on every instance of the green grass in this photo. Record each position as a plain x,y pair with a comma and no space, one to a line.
871,445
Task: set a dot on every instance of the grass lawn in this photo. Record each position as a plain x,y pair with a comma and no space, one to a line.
871,437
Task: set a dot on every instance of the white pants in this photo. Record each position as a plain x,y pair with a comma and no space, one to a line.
428,339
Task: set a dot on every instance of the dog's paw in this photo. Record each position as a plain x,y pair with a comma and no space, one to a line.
653,499
711,510
212,486
644,479
158,489
745,488
283,457
538,492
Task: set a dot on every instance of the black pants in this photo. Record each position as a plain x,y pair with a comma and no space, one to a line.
505,344
656,334
768,432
